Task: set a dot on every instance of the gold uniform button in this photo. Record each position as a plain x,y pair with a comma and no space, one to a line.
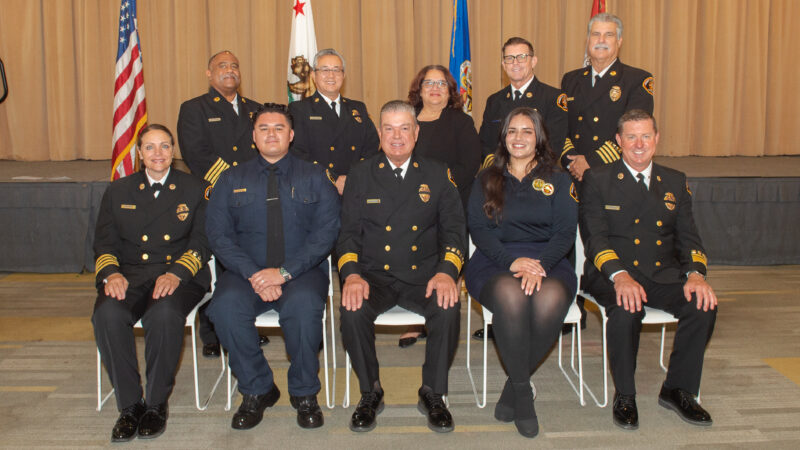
144,238
580,118
353,148
386,267
658,242
636,241
658,263
252,145
635,262
166,237
577,136
413,248
332,147
387,248
145,256
235,164
388,228
595,138
636,221
413,227
169,257
596,119
235,148
659,223
330,165
414,267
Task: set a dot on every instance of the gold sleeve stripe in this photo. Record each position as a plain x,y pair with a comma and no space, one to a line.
488,161
612,149
105,260
216,170
455,259
346,258
190,260
699,257
604,257
567,147
602,155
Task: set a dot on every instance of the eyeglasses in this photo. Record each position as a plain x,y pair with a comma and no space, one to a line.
330,70
521,58
431,83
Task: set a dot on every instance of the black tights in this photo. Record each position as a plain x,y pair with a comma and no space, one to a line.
525,326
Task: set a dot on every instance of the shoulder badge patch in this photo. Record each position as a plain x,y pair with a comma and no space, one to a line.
562,101
330,176
424,193
449,177
649,85
615,93
182,211
687,188
573,192
207,193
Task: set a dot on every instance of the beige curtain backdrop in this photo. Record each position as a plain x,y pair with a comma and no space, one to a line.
726,70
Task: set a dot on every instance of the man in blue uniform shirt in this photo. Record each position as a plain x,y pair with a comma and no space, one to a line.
273,221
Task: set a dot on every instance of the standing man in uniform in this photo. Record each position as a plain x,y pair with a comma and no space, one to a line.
402,243
525,90
642,247
215,133
273,221
329,129
598,95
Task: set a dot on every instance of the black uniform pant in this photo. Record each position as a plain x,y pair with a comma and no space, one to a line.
358,332
163,321
695,327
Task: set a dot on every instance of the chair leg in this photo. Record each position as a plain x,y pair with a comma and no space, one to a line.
480,403
328,395
101,400
204,405
485,349
346,401
230,389
661,354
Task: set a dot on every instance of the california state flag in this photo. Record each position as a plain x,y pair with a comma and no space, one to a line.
302,48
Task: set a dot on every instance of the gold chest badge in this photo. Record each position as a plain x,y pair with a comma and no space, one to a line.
669,201
182,211
615,93
424,193
356,116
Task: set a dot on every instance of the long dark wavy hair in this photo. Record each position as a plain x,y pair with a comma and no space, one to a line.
414,97
492,179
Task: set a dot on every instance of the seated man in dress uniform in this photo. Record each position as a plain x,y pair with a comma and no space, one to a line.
402,243
642,247
272,221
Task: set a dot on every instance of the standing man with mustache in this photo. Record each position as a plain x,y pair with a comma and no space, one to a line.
214,134
598,96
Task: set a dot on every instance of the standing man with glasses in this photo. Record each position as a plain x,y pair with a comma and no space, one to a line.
273,221
329,129
518,62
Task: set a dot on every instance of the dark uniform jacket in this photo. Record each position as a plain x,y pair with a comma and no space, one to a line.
144,237
406,230
334,142
213,137
237,216
549,101
594,111
650,233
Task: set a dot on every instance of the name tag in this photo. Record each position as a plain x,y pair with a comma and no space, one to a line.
612,207
124,206
569,99
373,201
314,117
236,191
214,119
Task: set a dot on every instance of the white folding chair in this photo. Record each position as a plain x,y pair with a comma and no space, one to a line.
652,317
396,316
573,318
270,319
191,319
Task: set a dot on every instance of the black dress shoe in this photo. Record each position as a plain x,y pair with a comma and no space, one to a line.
153,422
409,341
309,414
685,404
128,422
263,340
478,334
625,413
432,405
368,408
251,411
211,350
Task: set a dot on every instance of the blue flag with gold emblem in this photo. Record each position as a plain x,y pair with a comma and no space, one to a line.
460,60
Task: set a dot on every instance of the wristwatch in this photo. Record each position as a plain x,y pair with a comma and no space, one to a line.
285,274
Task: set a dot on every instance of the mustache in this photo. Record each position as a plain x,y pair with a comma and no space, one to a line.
600,47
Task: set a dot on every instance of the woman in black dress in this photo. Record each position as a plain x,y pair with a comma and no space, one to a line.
522,216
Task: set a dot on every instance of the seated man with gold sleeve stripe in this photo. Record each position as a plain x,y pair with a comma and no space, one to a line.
151,251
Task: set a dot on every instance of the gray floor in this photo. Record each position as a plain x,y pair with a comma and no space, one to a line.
47,382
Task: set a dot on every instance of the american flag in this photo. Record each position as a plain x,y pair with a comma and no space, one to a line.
130,109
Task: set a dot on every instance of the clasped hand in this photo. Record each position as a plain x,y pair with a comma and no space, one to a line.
531,272
267,284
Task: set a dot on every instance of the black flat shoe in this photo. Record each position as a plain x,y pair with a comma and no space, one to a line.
309,414
128,422
368,408
409,341
432,406
251,411
504,410
625,413
685,404
153,422
478,334
211,350
263,340
524,413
